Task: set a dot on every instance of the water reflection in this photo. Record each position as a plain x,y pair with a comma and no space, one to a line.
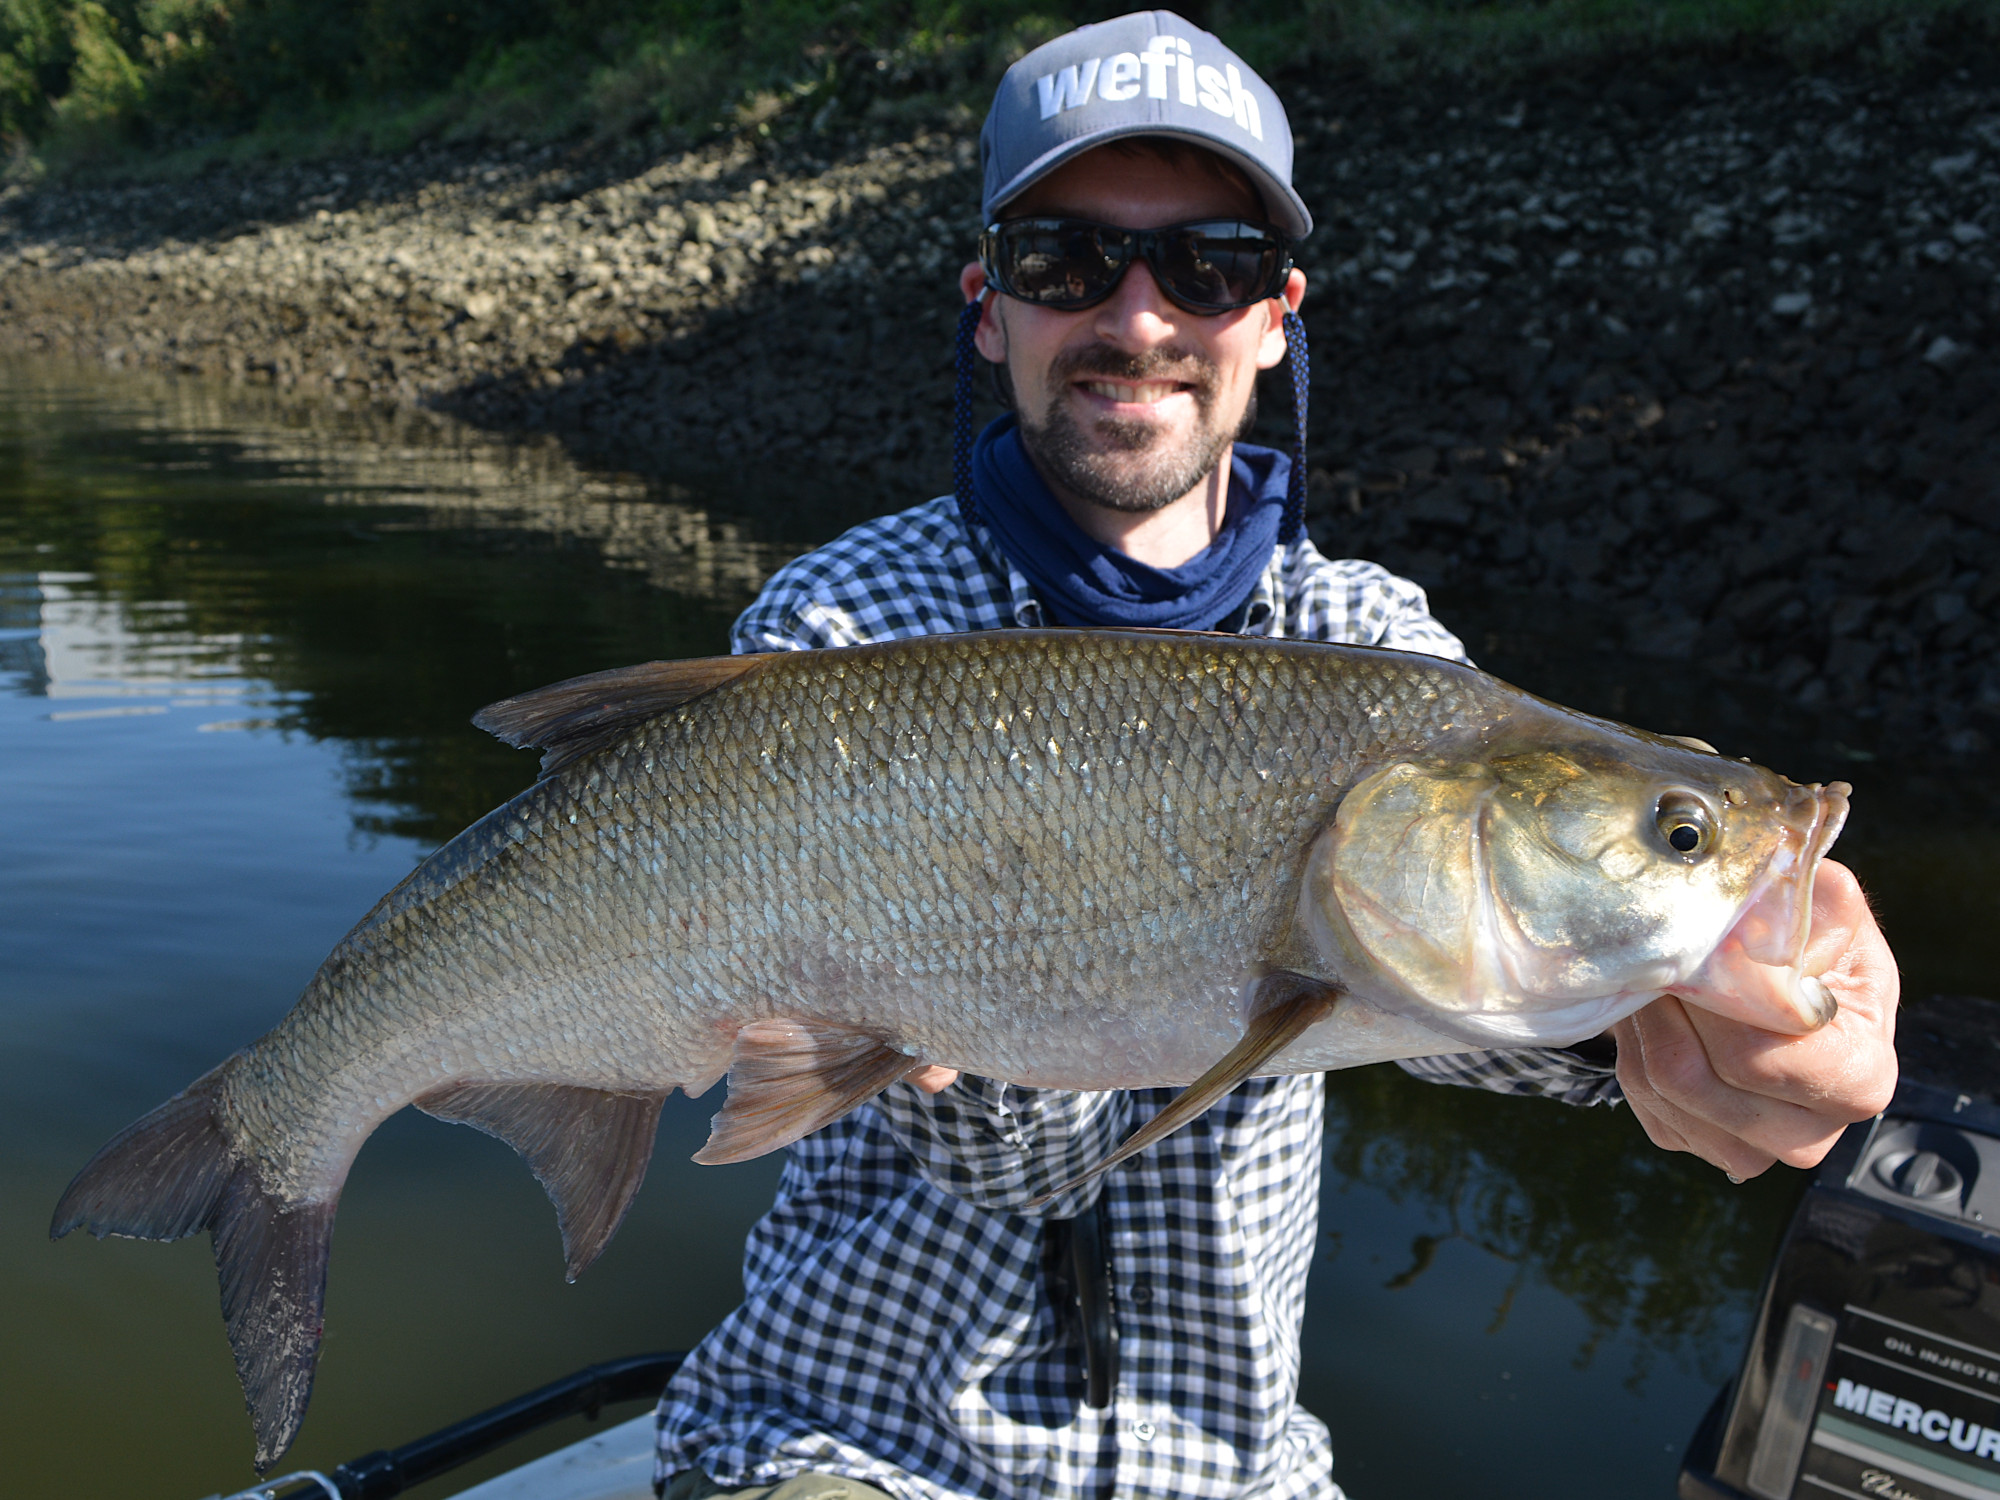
70,642
1513,1298
1639,1241
378,578
235,634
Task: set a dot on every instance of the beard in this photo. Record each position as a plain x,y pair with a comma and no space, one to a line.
1121,464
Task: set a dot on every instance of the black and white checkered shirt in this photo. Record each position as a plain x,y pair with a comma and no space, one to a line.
897,1325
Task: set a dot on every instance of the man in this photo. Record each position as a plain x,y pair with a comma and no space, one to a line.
900,1333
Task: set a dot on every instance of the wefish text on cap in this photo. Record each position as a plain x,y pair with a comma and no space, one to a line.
1117,79
1146,74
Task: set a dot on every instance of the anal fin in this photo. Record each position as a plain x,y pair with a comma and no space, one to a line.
588,1148
1289,1005
789,1077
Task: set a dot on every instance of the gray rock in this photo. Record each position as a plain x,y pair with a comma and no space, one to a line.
1945,353
1666,637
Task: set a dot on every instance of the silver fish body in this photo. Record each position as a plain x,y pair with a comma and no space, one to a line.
1068,859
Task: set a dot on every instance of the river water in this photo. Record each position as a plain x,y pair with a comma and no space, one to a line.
239,646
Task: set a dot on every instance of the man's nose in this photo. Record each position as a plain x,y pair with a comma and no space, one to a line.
1137,315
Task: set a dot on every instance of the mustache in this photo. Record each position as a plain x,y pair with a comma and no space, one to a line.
1168,362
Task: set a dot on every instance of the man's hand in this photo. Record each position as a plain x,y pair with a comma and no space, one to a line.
933,1079
1741,1098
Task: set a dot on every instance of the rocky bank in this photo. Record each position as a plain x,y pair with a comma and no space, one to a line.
1715,350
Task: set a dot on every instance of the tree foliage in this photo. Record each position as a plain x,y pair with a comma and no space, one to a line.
171,71
158,69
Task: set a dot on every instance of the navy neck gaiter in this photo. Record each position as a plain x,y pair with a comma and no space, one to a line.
1082,582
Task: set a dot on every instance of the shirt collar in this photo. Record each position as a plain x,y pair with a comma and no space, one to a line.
1263,616
1023,608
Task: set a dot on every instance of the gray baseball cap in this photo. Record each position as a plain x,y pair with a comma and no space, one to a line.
1149,73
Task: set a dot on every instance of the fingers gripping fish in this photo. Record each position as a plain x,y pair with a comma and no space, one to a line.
1067,859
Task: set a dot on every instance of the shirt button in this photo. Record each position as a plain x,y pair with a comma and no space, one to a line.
1144,1431
1142,1293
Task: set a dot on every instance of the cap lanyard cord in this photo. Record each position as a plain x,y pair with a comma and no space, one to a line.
1297,358
965,352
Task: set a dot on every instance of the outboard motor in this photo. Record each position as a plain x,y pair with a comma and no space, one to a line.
1874,1364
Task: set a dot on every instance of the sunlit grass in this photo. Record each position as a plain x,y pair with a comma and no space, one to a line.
84,83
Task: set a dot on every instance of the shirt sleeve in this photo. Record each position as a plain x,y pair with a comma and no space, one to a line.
1357,602
1000,1146
1547,1071
1411,627
780,621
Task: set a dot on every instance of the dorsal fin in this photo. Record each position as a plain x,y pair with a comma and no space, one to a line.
567,720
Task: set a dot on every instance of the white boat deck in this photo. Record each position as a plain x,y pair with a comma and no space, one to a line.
616,1464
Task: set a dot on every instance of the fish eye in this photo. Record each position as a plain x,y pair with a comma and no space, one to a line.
1684,822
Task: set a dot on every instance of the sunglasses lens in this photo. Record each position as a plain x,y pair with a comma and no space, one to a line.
1210,267
1059,264
1218,265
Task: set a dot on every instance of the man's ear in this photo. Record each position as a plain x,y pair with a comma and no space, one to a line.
1271,346
990,339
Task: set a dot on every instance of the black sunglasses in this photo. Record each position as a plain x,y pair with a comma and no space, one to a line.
1209,266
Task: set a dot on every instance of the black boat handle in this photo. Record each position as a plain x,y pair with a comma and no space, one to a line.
388,1472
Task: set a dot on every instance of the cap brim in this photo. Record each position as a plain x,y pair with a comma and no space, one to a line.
1287,210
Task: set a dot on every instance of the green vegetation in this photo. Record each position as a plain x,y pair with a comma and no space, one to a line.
80,78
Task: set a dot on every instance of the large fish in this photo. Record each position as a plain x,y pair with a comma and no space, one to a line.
1072,859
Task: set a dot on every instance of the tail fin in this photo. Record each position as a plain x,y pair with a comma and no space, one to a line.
273,1266
173,1172
158,1179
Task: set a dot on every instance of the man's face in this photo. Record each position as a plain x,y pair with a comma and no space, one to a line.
1132,403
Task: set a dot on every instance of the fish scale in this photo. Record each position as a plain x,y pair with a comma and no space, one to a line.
1060,858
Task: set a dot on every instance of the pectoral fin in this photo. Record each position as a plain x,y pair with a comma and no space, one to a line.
587,1147
789,1077
1290,1004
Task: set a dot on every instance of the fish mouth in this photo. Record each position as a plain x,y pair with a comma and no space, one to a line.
1754,974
